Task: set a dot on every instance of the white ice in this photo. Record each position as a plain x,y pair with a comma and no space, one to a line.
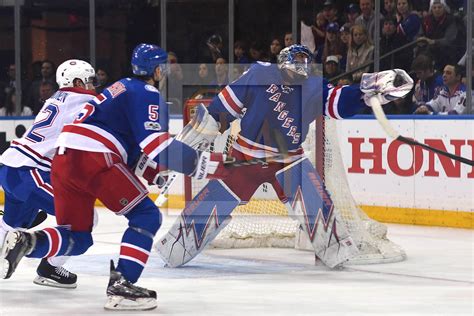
436,279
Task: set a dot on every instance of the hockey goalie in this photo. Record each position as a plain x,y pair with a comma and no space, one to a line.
275,105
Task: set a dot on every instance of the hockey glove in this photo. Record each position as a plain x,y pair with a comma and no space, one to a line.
148,169
210,166
386,85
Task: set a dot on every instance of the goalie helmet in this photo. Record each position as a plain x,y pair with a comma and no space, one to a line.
287,59
145,59
74,69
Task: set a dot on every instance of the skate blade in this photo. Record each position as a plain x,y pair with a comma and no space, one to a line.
121,303
48,282
8,244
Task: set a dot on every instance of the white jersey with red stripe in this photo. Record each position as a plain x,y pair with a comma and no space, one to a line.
266,105
128,118
37,146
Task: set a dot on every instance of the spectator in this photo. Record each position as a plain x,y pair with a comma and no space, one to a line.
48,70
10,103
332,44
429,81
215,46
319,30
175,72
288,38
345,36
388,42
360,51
204,78
222,73
36,70
46,90
441,36
275,48
103,78
8,84
409,23
451,99
330,12
256,52
389,8
352,13
240,53
367,18
331,68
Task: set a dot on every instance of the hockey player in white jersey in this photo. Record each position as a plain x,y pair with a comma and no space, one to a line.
275,105
25,174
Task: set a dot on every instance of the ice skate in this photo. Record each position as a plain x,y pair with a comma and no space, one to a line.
16,245
123,295
49,275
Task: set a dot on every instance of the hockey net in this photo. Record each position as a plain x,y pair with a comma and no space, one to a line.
264,221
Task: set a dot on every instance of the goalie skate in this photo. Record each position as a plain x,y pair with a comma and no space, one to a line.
15,246
49,275
123,295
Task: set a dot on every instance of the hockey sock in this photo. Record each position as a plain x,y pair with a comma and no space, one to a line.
59,241
144,222
134,253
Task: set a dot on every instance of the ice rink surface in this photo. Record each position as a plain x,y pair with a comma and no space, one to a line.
436,279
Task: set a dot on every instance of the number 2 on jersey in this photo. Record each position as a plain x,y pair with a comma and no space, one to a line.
51,112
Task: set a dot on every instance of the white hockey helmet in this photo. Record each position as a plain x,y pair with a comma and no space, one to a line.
74,69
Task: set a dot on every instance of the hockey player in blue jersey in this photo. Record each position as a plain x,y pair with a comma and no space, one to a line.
25,174
95,158
275,105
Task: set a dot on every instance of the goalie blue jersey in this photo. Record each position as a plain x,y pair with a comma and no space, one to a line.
273,113
127,118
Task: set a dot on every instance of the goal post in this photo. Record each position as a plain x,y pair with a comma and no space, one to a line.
264,221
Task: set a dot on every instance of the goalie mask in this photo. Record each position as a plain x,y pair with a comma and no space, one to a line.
296,58
73,69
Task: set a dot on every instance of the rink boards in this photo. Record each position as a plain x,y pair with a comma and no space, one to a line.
391,181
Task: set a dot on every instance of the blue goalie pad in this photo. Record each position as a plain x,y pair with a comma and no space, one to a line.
316,212
303,187
199,223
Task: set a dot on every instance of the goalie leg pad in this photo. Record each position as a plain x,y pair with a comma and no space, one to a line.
314,209
199,223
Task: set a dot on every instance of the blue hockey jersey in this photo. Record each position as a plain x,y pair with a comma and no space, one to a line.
127,118
267,106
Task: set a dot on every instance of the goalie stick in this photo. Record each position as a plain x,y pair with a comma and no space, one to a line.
387,127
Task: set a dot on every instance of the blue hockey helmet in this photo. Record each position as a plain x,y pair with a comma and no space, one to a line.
145,59
287,59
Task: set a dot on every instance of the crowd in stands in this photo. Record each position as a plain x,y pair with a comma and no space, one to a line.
433,33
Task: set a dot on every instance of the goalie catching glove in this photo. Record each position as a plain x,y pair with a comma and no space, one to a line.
386,85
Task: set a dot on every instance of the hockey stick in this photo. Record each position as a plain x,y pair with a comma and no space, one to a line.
387,127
